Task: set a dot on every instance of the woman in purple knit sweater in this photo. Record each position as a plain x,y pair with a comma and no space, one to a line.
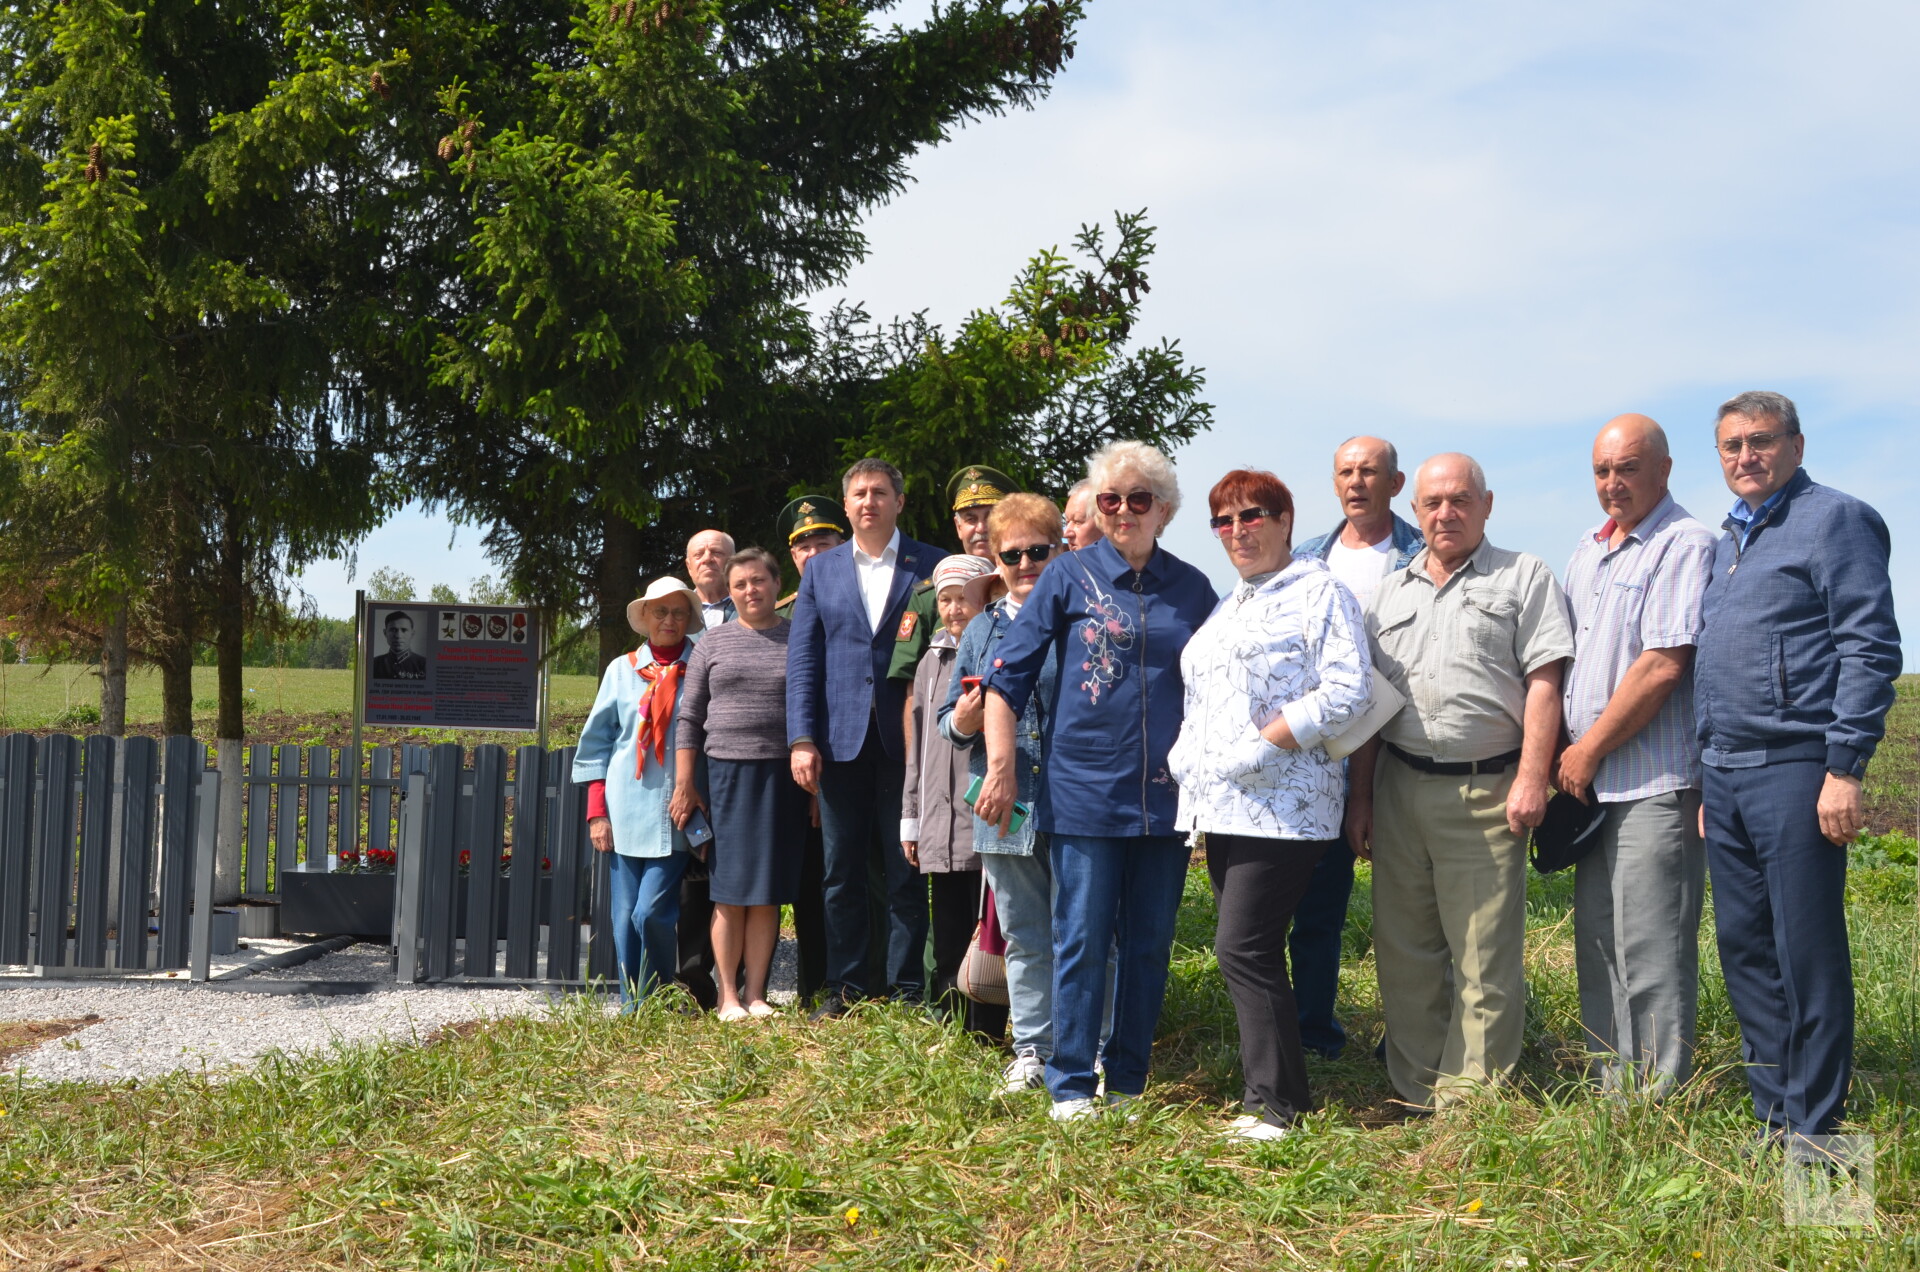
734,710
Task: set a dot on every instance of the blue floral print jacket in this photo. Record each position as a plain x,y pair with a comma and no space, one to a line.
1114,635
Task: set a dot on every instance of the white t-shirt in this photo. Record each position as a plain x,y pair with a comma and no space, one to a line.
1361,569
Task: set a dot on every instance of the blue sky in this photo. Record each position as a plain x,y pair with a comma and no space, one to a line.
1475,226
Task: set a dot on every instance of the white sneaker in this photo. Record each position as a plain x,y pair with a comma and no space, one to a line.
1258,1131
1073,1110
1242,1122
1023,1073
1125,1104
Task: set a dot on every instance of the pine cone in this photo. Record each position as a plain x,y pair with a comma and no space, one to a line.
93,155
467,130
378,83
448,146
613,13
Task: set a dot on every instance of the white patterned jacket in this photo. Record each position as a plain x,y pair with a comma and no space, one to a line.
1293,646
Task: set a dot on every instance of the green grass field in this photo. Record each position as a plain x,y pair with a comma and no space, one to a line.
35,696
584,1141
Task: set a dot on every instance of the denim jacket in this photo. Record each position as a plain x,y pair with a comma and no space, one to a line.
977,646
1114,636
609,751
1407,541
1798,645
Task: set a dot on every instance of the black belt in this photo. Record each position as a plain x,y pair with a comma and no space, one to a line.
1494,764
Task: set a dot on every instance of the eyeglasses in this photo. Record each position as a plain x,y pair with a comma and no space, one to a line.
1223,524
1036,554
1758,443
1139,502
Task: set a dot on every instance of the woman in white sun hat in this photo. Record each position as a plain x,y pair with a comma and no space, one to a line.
626,758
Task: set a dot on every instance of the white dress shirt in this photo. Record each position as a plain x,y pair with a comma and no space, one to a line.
876,578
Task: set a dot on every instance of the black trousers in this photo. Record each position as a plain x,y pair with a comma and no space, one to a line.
810,917
956,912
1257,885
860,826
695,932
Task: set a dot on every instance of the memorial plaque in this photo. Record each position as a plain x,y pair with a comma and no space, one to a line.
451,666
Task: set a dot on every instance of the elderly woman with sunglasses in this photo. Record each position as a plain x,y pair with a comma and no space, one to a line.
1280,665
1111,620
1023,534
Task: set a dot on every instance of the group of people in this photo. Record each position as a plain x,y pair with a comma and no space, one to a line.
1047,721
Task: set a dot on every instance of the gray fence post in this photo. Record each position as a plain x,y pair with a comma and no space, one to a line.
54,848
96,848
183,761
204,855
409,866
136,852
16,844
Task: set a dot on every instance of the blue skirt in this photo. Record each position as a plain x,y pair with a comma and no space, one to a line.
759,820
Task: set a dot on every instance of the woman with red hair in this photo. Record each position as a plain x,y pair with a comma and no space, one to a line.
1280,665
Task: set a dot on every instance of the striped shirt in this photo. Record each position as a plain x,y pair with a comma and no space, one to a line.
1641,595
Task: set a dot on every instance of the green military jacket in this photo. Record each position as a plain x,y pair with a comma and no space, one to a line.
917,625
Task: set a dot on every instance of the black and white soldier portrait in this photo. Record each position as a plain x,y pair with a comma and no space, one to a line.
400,661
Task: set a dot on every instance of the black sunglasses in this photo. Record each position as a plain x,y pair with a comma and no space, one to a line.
1223,523
1139,502
1036,554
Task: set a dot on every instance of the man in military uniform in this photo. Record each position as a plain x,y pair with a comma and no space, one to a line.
973,491
810,525
399,662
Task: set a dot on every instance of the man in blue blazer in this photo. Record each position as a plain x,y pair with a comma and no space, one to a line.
845,735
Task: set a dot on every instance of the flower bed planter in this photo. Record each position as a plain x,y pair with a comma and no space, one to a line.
361,904
337,904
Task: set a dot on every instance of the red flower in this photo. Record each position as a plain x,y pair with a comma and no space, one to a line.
466,856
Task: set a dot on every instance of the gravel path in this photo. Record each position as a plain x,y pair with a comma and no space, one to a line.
148,1029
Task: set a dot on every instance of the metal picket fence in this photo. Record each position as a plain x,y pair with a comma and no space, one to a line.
482,844
106,871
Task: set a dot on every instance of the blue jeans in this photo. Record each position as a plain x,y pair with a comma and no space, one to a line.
1023,899
860,824
1779,911
646,916
1110,891
1319,926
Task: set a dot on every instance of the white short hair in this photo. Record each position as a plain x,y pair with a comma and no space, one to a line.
1154,468
1476,474
724,538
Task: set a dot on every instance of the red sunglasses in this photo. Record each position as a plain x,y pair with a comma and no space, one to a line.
1139,502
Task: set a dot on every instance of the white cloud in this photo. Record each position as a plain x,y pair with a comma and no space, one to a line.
1483,226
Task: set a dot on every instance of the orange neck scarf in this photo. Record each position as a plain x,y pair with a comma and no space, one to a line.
656,706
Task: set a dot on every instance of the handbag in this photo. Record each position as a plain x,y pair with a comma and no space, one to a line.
983,969
1383,704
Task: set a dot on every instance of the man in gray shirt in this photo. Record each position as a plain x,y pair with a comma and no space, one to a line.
1442,801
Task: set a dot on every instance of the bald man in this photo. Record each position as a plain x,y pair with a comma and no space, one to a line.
1634,585
1371,542
1442,799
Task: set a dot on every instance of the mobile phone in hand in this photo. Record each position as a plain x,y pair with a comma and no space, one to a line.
699,830
969,683
1020,810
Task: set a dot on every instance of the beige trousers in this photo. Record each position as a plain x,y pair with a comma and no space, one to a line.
1449,922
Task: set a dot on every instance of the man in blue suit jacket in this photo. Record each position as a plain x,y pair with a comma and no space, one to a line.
844,729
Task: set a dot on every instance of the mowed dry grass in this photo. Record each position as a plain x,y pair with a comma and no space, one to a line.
672,1141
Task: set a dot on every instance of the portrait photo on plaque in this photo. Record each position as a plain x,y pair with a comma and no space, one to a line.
398,636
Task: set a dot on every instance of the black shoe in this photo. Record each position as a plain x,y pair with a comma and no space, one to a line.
833,1006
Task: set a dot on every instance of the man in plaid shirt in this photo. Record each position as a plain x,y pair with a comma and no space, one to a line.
1634,585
